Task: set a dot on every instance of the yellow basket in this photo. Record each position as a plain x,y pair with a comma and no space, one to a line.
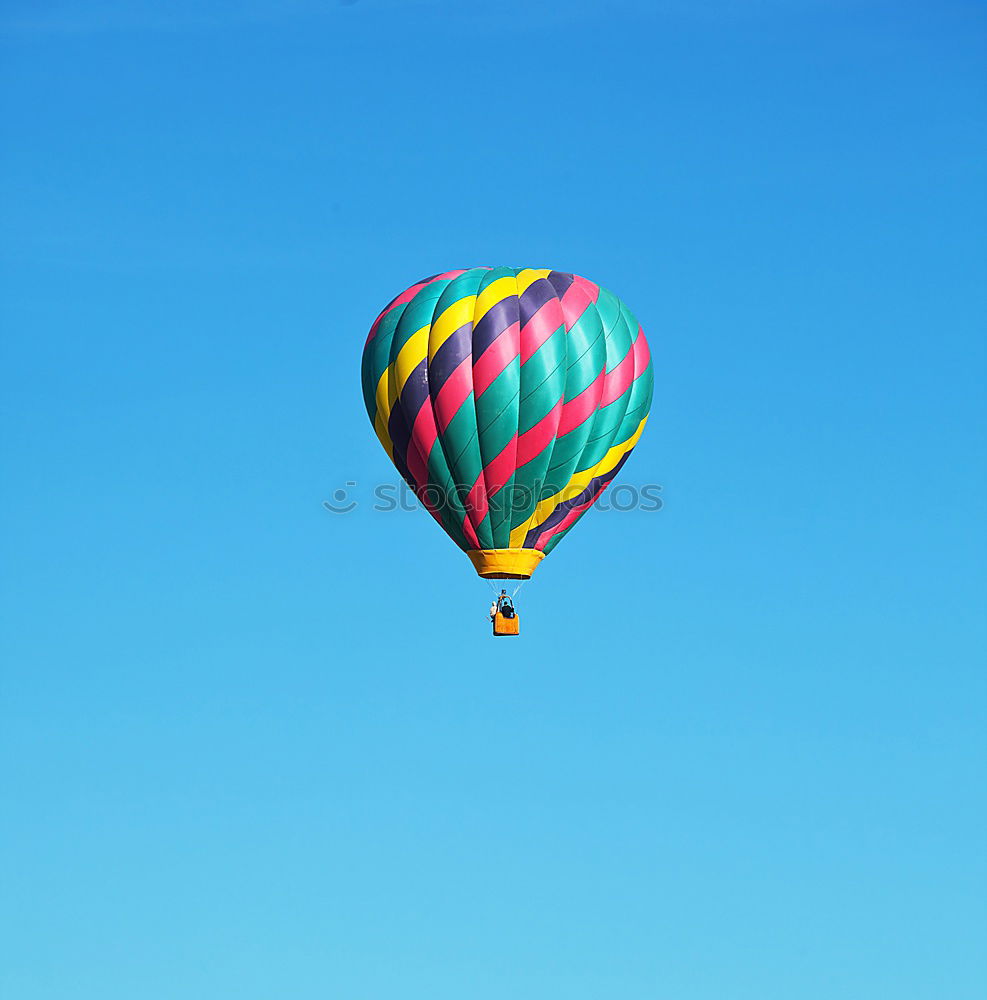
506,626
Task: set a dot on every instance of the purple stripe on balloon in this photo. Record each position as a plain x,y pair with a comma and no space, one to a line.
404,412
415,392
400,435
498,318
534,297
561,281
458,346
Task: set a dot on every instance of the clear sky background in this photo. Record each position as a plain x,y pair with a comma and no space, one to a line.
251,749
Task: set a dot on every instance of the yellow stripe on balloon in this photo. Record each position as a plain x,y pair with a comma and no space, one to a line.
529,275
495,292
409,358
575,486
384,397
392,381
456,315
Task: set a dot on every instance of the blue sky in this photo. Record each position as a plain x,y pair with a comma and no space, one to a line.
252,749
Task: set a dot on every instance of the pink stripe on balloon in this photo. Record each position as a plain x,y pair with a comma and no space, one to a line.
533,442
454,392
424,433
575,301
470,533
450,400
498,471
540,327
495,359
618,380
591,288
416,464
642,353
581,407
476,502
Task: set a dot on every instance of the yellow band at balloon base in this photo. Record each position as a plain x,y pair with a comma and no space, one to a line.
505,564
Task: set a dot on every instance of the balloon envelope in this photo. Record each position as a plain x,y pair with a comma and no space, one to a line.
508,399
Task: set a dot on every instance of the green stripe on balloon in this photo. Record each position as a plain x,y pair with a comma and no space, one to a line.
542,389
587,357
440,488
376,357
607,419
498,428
497,406
459,440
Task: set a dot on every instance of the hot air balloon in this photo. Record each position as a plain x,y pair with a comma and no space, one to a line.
508,399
